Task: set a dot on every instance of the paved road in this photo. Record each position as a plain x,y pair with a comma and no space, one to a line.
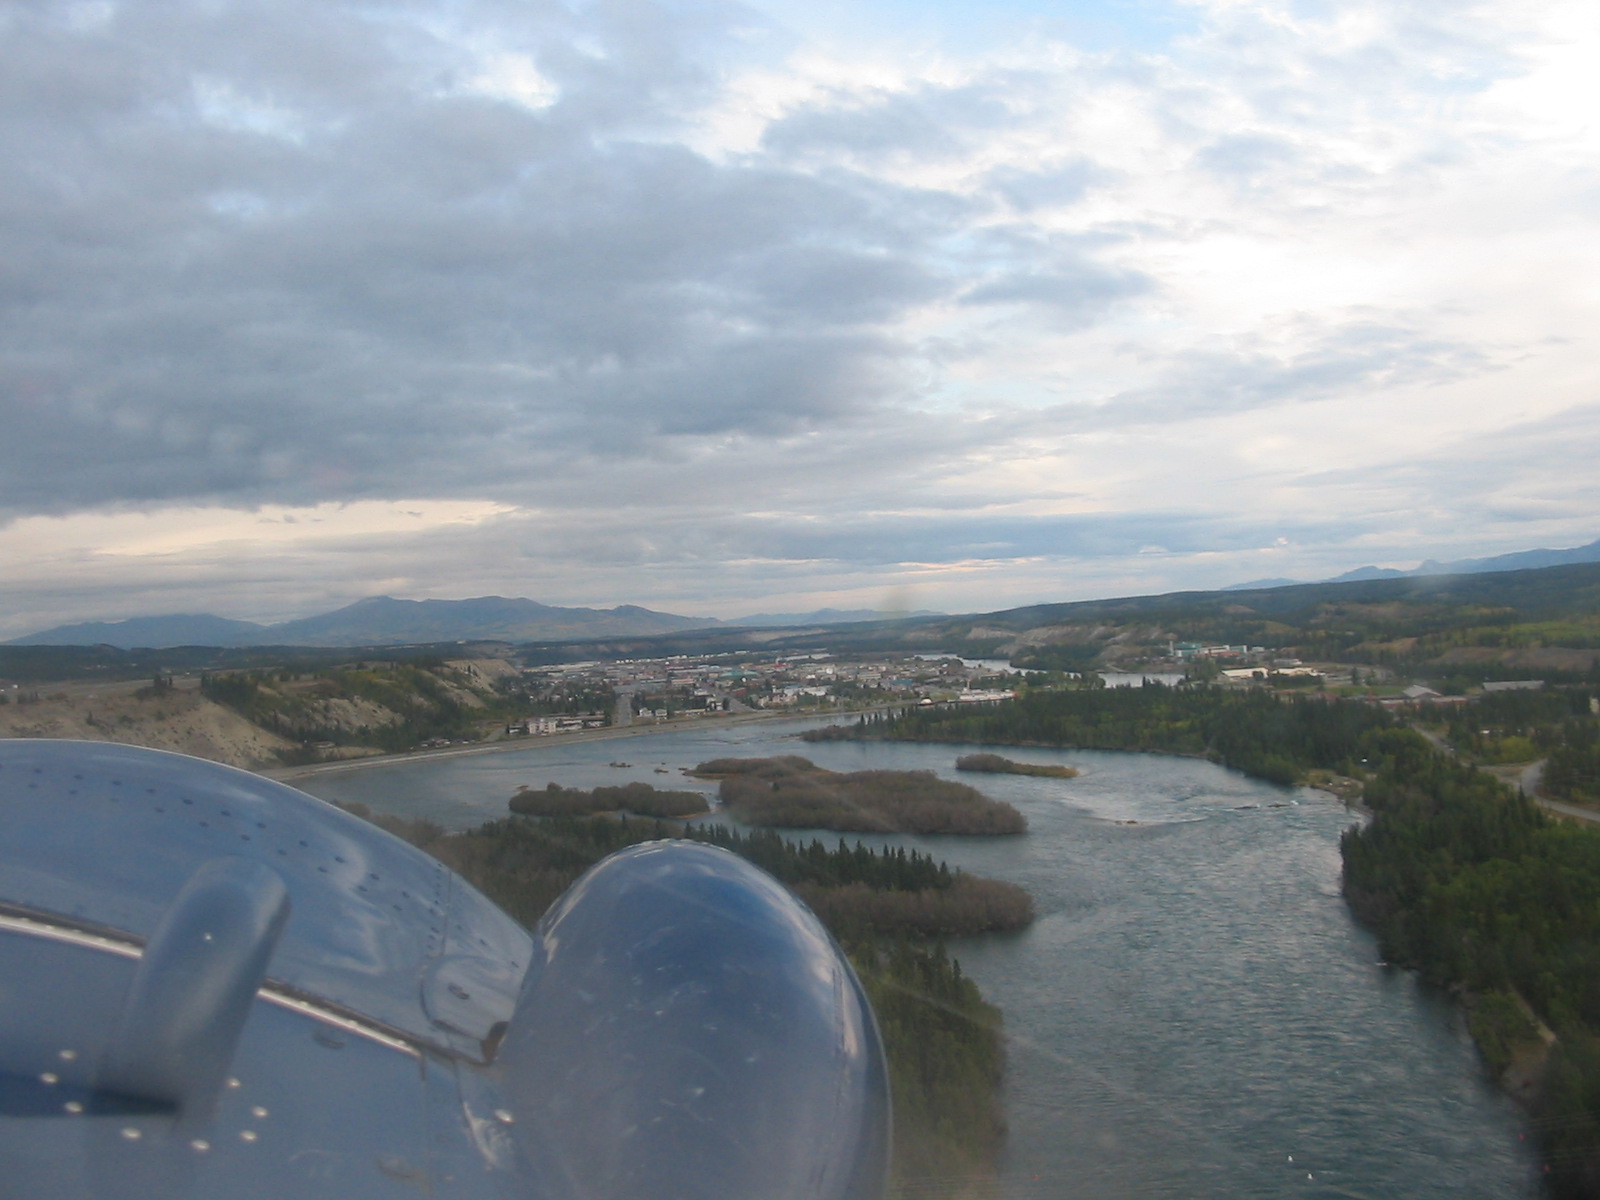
1436,740
623,716
1527,783
1570,810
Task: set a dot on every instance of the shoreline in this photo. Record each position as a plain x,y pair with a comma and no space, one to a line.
607,733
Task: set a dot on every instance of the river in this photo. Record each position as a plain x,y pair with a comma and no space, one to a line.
1194,1014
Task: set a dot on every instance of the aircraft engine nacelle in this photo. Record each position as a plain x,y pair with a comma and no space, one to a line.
213,985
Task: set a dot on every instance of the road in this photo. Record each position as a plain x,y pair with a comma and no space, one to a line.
1527,780
623,716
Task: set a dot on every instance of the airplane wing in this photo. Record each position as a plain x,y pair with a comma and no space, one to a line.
213,985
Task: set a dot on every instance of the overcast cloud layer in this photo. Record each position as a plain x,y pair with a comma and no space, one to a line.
685,305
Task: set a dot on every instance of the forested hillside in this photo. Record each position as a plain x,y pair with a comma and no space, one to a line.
389,706
1474,626
1474,886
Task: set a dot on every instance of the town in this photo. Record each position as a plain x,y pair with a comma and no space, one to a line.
588,695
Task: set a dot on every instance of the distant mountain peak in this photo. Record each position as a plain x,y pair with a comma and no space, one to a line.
175,629
1256,584
380,621
826,616
1517,560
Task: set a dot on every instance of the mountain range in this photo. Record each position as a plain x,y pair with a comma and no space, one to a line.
1519,560
387,621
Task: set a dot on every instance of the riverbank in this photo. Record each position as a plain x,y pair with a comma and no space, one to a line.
609,733
1340,786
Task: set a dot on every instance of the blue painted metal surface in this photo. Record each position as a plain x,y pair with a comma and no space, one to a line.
680,1027
688,1030
113,832
197,980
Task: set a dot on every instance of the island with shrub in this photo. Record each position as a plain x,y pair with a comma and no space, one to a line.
641,799
995,764
791,792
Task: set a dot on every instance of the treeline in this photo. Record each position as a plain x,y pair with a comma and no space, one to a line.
1578,631
61,664
969,906
1250,730
1558,724
859,891
1475,887
944,1042
946,1059
1572,771
524,865
794,793
1516,726
642,799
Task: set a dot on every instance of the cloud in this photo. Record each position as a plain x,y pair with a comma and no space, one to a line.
639,269
1077,290
326,279
1246,158
1363,355
928,120
1054,187
1521,480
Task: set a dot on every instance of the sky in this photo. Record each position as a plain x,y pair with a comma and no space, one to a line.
724,308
